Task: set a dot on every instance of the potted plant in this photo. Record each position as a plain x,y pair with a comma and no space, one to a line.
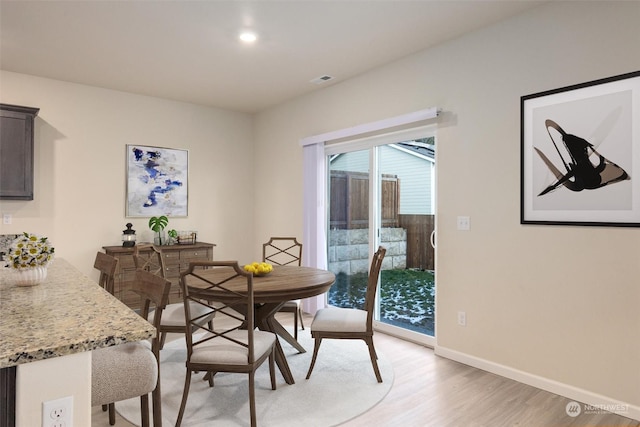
157,224
173,236
29,256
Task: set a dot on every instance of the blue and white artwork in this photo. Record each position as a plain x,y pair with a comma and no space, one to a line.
157,181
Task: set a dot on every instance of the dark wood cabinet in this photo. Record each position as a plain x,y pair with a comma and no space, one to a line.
16,151
176,260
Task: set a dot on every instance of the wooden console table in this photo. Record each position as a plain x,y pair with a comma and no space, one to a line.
176,260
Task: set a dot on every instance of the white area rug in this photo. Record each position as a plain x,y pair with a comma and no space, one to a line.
342,386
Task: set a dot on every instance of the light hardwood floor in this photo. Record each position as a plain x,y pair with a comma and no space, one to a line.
430,391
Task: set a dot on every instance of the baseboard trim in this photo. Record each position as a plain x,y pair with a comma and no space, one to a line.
599,401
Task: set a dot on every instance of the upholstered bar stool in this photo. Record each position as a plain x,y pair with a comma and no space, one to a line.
130,370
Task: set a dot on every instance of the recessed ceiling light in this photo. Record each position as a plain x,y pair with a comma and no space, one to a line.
248,36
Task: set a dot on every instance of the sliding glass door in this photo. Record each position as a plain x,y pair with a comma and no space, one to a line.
407,289
383,194
349,229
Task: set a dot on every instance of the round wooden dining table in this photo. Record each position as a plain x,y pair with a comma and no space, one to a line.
270,292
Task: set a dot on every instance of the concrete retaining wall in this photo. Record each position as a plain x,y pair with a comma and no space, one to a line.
349,250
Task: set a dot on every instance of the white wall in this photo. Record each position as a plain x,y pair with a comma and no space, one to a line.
80,137
554,303
51,379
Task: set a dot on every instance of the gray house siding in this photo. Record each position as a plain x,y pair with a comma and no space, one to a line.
414,172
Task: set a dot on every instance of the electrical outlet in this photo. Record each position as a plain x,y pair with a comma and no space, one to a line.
58,412
7,219
462,318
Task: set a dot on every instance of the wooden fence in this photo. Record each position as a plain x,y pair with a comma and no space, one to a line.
350,210
350,200
420,253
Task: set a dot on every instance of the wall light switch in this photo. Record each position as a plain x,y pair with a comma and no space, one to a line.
463,223
6,219
462,318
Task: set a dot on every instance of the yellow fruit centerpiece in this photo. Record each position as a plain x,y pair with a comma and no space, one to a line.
259,268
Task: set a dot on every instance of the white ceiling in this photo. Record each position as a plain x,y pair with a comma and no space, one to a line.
189,50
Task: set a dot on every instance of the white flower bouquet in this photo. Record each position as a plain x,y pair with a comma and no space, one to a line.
29,251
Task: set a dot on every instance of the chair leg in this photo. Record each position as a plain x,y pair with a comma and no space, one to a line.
112,413
300,316
209,377
144,409
295,325
316,347
156,398
185,394
272,370
374,357
252,398
163,337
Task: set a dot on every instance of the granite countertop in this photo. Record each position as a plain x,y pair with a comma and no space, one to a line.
67,313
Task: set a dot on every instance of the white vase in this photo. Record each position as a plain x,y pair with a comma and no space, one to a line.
30,276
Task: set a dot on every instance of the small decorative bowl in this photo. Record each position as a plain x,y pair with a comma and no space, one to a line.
261,274
259,269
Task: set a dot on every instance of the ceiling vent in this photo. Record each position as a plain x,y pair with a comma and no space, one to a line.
321,79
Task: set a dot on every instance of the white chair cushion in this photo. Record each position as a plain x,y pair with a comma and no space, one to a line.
122,372
173,314
222,351
336,319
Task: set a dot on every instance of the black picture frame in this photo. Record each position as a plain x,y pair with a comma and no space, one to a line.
580,154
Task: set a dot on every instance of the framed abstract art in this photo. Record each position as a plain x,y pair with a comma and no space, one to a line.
157,181
580,154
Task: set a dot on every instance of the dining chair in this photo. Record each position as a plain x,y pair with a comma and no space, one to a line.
350,323
148,257
286,251
132,369
236,348
107,266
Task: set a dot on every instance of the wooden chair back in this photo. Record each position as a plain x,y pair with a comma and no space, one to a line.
372,285
107,266
154,292
232,289
149,258
282,251
286,251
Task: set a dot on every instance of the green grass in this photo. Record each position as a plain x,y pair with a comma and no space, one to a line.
407,297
